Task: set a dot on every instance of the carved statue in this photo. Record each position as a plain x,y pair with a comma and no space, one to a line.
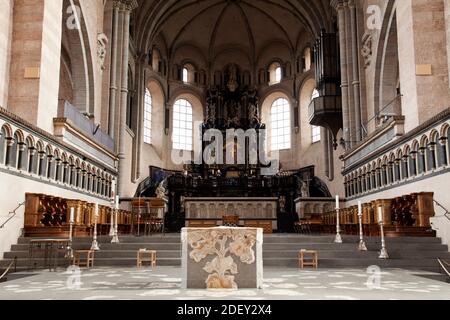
253,114
282,204
161,191
232,82
102,41
304,189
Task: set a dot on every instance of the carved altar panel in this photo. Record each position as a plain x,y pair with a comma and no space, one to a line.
222,258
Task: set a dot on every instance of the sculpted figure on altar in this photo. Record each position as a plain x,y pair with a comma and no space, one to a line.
232,81
232,113
253,108
211,108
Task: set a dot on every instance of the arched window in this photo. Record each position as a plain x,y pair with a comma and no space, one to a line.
185,75
307,59
316,131
278,74
280,116
182,136
275,73
148,105
316,134
188,74
315,94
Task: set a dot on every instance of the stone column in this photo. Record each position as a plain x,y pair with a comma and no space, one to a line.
126,8
113,84
340,6
355,74
138,141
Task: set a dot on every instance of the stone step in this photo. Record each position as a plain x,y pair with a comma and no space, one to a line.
23,264
328,263
279,250
282,239
172,238
410,264
395,254
346,239
267,246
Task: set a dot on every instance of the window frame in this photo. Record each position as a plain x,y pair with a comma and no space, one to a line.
182,125
278,120
148,117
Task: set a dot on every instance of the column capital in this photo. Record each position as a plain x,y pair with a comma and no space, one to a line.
339,4
126,5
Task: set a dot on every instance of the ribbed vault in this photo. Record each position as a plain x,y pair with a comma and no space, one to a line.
213,26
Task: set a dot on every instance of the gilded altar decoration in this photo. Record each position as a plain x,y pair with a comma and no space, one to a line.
225,245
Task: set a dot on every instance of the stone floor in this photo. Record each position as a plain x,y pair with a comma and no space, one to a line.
279,284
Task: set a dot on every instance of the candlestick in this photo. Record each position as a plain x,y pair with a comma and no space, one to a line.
117,202
111,229
338,238
95,245
380,215
115,238
362,245
337,202
69,249
383,253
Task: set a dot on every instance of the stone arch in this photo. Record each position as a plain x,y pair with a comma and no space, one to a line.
266,109
77,55
387,62
444,131
7,131
198,112
32,156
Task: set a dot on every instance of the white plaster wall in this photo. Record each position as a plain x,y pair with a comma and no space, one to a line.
438,184
12,192
5,48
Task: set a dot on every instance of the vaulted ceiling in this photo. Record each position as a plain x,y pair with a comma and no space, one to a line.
216,25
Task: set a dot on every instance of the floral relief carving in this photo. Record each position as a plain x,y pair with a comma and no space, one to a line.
225,244
367,48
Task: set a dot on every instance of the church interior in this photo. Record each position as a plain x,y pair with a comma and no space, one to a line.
224,143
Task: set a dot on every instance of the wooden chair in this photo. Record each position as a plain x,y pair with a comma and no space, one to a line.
156,217
145,255
78,258
139,209
304,261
